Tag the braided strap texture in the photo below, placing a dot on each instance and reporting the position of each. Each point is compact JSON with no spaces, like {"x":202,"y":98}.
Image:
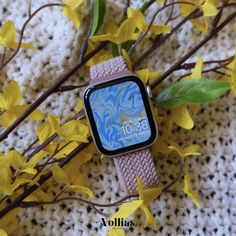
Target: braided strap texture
{"x":139,"y":163}
{"x":112,"y":66}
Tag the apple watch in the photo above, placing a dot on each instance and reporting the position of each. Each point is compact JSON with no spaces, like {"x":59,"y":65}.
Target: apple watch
{"x":117,"y":107}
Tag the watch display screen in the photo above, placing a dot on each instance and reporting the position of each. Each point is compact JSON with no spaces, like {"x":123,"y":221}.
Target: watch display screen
{"x":119,"y":114}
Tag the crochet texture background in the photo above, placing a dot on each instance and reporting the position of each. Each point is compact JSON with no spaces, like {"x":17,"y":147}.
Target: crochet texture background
{"x":213,"y":173}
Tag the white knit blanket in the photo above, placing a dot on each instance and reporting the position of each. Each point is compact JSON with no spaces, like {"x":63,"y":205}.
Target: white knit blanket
{"x":213,"y":174}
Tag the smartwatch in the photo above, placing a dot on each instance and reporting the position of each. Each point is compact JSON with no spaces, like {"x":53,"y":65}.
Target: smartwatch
{"x":120,"y":117}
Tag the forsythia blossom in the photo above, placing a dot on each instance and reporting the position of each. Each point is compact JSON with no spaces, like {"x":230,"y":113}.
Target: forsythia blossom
{"x":208,"y":7}
{"x":11,"y":107}
{"x":70,"y":10}
{"x":8,"y":37}
{"x":127,"y":29}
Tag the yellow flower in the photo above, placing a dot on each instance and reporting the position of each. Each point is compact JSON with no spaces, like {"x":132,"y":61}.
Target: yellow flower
{"x":148,"y":196}
{"x":127,"y":59}
{"x":231,"y":74}
{"x":70,"y":10}
{"x":188,"y":151}
{"x":38,"y":195}
{"x":9,"y":223}
{"x":128,"y":29}
{"x":142,"y":24}
{"x":3,"y":232}
{"x":192,"y":194}
{"x":161,"y":146}
{"x":19,"y":163}
{"x":79,"y":105}
{"x":10,"y":107}
{"x":202,"y":24}
{"x":125,"y":32}
{"x":48,"y":128}
{"x":124,"y":212}
{"x":147,"y":76}
{"x":72,"y":178}
{"x":197,"y":73}
{"x":209,"y":9}
{"x":73,"y":130}
{"x":8,"y":37}
{"x":181,"y":117}
{"x":6,"y":185}
{"x":59,"y":148}
{"x":102,"y":55}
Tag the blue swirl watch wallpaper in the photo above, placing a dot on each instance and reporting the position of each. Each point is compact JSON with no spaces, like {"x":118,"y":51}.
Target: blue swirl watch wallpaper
{"x":120,"y":115}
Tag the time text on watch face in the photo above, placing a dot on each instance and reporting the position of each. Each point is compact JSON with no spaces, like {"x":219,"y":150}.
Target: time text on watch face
{"x":120,"y":115}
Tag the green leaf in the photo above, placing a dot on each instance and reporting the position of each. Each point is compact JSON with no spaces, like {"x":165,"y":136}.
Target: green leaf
{"x":98,"y":15}
{"x":114,"y":49}
{"x":199,"y":91}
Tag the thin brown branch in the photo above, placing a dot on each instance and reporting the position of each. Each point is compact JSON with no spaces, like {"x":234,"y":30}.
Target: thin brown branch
{"x":214,"y":69}
{"x":102,"y":205}
{"x":30,"y":147}
{"x":159,"y":41}
{"x":67,"y":88}
{"x":166,"y":74}
{"x":99,"y":211}
{"x":138,"y":41}
{"x":187,"y":66}
{"x":42,"y":180}
{"x":24,"y":27}
{"x":180,"y":173}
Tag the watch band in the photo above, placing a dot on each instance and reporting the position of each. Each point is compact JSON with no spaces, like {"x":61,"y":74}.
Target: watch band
{"x":137,"y":163}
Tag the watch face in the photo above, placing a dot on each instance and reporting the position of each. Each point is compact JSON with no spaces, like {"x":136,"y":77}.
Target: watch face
{"x":120,"y":115}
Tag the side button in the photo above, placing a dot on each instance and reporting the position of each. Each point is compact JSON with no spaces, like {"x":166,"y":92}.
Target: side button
{"x":149,"y":91}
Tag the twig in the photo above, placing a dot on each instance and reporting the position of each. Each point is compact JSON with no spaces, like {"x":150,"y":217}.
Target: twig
{"x":24,"y":27}
{"x":192,"y":51}
{"x":85,"y":43}
{"x":30,"y":147}
{"x":102,"y":205}
{"x":170,"y":14}
{"x":181,"y":167}
{"x":160,"y":40}
{"x":71,"y":87}
{"x":214,"y":69}
{"x":17,"y":201}
{"x":152,"y":21}
{"x":187,"y":66}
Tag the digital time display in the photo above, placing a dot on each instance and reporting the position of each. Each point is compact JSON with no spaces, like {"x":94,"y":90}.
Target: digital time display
{"x":138,"y":126}
{"x":119,"y":115}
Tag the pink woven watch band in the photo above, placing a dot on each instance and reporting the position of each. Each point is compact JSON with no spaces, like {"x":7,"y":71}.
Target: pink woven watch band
{"x":138,"y":163}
